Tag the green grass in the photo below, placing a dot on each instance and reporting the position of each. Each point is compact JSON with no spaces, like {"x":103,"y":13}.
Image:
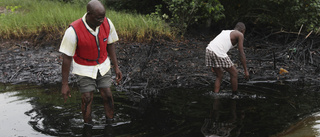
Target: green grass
{"x":29,"y":18}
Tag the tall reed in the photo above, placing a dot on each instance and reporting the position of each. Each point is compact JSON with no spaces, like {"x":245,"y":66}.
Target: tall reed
{"x":31,"y":17}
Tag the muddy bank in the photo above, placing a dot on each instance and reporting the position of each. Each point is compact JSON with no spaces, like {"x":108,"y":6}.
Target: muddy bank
{"x":162,"y":64}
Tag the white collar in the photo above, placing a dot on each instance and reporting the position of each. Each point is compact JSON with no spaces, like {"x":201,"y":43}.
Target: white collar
{"x":88,"y":27}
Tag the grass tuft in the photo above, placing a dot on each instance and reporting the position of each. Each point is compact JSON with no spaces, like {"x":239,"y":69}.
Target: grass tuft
{"x":32,"y":18}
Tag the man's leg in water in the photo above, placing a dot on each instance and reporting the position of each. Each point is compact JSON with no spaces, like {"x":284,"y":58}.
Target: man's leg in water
{"x":107,"y":102}
{"x":86,"y":102}
{"x":233,"y":78}
{"x":219,"y":75}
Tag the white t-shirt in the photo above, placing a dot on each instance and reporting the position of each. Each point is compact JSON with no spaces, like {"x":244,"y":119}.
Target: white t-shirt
{"x":221,"y":44}
{"x":69,"y":44}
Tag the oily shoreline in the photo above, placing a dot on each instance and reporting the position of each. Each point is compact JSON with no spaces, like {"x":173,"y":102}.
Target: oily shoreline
{"x":158,"y":64}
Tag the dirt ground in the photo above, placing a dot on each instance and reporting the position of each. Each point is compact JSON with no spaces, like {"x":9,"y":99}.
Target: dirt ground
{"x":161,"y":64}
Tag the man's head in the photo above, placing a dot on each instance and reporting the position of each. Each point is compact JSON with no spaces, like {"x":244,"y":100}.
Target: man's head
{"x":95,"y":13}
{"x":240,"y":27}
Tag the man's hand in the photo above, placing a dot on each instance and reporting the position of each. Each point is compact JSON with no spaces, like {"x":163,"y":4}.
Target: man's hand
{"x":119,"y":75}
{"x":246,"y":75}
{"x":65,"y":90}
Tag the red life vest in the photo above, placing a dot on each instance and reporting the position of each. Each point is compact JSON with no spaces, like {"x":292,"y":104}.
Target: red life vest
{"x":90,"y":50}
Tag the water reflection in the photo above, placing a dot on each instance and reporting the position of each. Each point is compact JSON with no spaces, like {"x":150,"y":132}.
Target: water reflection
{"x":225,"y":119}
{"x":308,"y":127}
{"x":87,"y":131}
{"x":13,"y":120}
{"x":263,"y":109}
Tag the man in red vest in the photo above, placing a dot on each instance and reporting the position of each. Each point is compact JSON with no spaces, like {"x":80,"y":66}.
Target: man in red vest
{"x":87,"y":45}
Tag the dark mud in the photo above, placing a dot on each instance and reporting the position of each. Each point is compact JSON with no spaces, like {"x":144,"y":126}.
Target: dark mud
{"x":271,"y":101}
{"x":161,"y":64}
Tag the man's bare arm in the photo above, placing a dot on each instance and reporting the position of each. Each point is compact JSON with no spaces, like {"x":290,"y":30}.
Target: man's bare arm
{"x":66,"y":63}
{"x":242,"y":54}
{"x":112,"y":54}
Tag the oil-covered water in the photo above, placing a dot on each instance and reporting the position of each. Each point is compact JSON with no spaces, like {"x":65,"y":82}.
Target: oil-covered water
{"x":261,"y":110}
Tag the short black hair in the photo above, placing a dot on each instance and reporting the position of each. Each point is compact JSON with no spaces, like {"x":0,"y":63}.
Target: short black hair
{"x":240,"y":26}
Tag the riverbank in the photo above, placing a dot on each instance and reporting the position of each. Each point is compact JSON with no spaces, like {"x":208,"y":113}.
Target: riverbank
{"x":161,"y":64}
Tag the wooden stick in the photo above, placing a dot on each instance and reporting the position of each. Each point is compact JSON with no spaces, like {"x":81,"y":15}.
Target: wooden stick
{"x":15,"y":74}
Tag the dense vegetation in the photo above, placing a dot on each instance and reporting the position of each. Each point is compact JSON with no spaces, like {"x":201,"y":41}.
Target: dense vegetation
{"x":145,"y":19}
{"x":275,"y":15}
{"x":48,"y":19}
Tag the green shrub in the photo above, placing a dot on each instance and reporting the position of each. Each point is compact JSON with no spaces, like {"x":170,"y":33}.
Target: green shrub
{"x":133,"y":6}
{"x":183,"y":13}
{"x":287,"y":15}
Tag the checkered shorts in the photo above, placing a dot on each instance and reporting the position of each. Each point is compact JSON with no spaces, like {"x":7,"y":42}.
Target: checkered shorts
{"x":214,"y":61}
